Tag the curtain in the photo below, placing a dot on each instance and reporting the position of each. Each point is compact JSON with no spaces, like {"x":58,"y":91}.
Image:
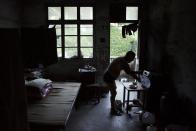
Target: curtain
{"x":39,"y":46}
{"x":13,"y":102}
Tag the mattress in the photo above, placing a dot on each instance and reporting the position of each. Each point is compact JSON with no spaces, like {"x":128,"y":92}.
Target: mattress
{"x":55,"y":109}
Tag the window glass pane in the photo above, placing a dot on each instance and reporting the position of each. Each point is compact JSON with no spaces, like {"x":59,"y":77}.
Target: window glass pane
{"x":58,"y":30}
{"x":70,"y":52}
{"x":87,"y":52}
{"x":70,"y":13}
{"x":70,"y":29}
{"x":86,"y":29}
{"x":59,"y":52}
{"x":58,"y":35}
{"x":86,"y":41}
{"x":54,"y":13}
{"x":58,"y":38}
{"x":131,"y":13}
{"x":86,"y":13}
{"x":70,"y":41}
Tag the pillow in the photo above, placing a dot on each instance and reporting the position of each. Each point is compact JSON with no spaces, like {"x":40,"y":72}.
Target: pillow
{"x":38,"y":88}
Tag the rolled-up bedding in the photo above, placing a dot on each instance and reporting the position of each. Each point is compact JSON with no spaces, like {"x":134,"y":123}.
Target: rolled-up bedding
{"x":38,"y":88}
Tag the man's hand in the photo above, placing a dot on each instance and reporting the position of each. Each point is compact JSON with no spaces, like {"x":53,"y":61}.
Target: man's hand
{"x":135,"y":75}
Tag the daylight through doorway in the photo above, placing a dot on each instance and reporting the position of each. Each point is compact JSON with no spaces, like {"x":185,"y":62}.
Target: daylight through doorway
{"x":119,"y":45}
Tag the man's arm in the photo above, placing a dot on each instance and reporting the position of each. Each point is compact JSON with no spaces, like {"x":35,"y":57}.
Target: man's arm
{"x":130,"y":72}
{"x":134,"y":75}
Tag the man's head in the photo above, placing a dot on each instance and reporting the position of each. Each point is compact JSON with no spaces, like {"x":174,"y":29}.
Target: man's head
{"x":130,"y":55}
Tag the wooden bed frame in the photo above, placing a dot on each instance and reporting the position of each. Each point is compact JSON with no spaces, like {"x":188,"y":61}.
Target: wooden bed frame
{"x":54,"y":111}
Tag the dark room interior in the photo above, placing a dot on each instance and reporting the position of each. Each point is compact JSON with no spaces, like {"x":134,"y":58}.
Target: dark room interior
{"x":31,"y":41}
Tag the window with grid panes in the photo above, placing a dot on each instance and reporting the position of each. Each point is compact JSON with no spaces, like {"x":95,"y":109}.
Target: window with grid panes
{"x":74,"y":30}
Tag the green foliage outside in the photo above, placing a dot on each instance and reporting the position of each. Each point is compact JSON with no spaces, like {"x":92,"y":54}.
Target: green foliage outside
{"x":119,"y":45}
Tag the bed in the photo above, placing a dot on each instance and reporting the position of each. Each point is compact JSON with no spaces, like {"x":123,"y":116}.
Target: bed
{"x":54,"y":110}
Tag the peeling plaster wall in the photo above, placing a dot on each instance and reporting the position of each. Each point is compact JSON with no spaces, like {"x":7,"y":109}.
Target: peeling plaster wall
{"x":170,"y":46}
{"x":181,"y":47}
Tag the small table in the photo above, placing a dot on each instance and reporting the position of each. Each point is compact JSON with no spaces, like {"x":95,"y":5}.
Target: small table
{"x":89,"y":88}
{"x":138,"y":89}
{"x":87,"y":76}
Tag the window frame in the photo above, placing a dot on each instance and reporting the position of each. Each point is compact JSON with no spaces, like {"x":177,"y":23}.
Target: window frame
{"x":62,"y":22}
{"x":139,"y":5}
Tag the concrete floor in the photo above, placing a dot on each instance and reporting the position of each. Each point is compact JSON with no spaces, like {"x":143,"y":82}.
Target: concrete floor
{"x":91,"y":117}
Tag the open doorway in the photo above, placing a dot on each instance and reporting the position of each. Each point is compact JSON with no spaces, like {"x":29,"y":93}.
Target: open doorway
{"x":119,"y":45}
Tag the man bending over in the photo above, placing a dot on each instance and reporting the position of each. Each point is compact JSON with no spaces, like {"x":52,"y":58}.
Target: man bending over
{"x":113,"y":72}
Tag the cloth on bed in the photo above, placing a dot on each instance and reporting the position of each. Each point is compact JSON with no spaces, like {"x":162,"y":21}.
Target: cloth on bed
{"x":38,"y":88}
{"x":55,"y":109}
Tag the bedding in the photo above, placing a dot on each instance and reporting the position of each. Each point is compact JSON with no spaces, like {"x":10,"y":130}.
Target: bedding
{"x":38,"y":88}
{"x":54,"y":110}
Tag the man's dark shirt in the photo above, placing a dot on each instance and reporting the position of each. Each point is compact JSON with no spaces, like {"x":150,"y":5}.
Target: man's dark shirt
{"x":114,"y":69}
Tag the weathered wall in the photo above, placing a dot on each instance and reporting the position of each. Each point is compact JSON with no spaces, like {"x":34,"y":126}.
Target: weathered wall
{"x":10,"y":13}
{"x":170,"y":45}
{"x":34,"y":13}
{"x":102,"y":37}
{"x":181,"y":47}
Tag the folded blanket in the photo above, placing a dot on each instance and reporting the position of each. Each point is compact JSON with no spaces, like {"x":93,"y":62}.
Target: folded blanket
{"x":38,"y":88}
